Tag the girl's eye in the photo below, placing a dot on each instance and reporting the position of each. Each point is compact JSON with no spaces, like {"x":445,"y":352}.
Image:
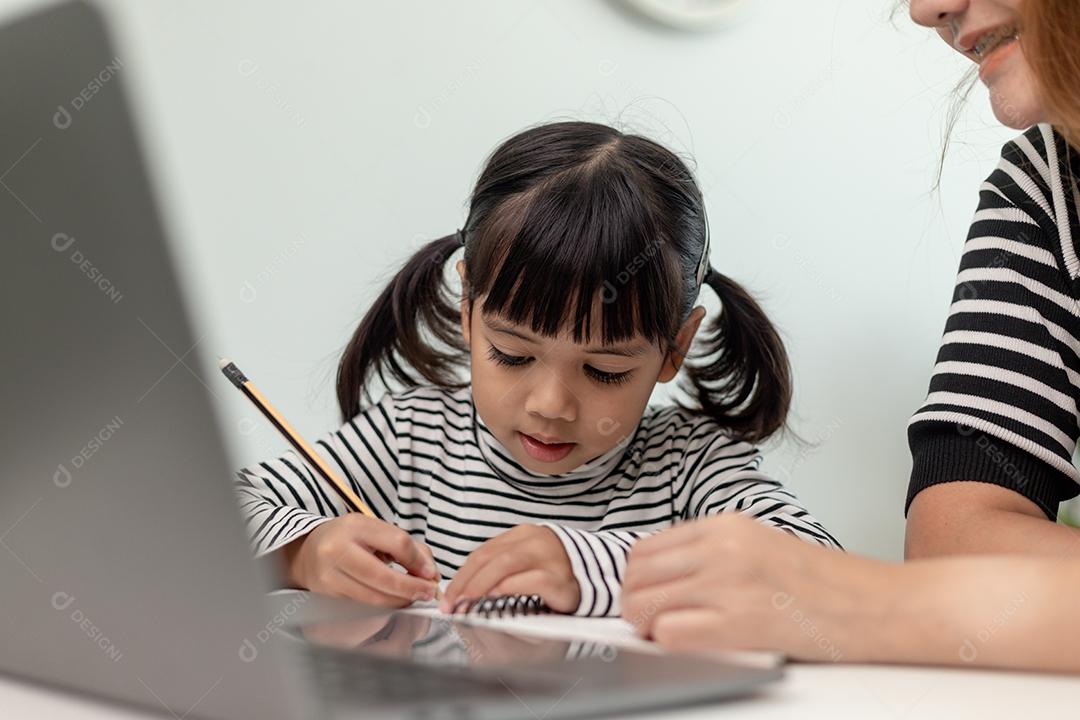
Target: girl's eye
{"x":608,"y":378}
{"x":504,"y":359}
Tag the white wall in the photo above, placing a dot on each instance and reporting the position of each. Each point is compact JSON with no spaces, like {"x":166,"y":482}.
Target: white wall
{"x":303,"y":150}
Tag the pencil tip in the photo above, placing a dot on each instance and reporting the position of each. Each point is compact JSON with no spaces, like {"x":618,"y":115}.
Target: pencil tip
{"x":224,"y":362}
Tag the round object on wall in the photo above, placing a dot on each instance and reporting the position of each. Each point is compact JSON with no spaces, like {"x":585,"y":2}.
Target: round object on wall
{"x":686,"y":14}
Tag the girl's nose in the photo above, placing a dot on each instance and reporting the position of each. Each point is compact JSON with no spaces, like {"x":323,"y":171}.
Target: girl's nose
{"x":551,"y":397}
{"x":937,"y":13}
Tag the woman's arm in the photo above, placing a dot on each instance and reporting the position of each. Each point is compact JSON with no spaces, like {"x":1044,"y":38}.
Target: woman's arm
{"x":975,"y":517}
{"x":729,"y":582}
{"x":1002,"y":405}
{"x":1008,"y":611}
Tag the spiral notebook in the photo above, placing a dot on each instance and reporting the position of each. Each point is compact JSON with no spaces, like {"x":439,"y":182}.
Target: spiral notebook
{"x":526,"y":614}
{"x":303,"y":606}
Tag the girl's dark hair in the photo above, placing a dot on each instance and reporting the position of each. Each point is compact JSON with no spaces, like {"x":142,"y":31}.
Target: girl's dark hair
{"x":561,"y":215}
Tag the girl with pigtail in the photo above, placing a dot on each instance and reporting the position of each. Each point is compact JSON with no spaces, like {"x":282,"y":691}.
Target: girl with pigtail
{"x":513,"y":450}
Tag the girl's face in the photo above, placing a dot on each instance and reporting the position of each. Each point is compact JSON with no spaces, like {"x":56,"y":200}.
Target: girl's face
{"x":986,"y":32}
{"x":555,"y":403}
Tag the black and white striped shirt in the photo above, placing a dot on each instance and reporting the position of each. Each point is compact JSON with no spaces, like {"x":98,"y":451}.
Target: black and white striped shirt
{"x":1003,"y":399}
{"x":423,"y":460}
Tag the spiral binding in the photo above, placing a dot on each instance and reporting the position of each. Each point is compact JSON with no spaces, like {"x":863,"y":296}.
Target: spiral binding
{"x":502,"y":606}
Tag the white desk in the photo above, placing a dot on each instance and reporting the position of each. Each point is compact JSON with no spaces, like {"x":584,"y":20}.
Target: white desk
{"x":836,"y":692}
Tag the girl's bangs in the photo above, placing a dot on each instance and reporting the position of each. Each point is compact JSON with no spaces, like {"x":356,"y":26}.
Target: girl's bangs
{"x":580,"y":239}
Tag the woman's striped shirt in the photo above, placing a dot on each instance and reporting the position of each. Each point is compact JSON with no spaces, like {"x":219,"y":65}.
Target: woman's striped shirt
{"x":423,"y":460}
{"x":1003,"y":401}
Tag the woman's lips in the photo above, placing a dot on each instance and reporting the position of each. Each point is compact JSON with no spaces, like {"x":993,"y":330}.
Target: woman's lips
{"x":544,"y":452}
{"x":993,"y":60}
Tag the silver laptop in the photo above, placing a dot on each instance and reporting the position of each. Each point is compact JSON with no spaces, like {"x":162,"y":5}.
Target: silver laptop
{"x":124,"y":569}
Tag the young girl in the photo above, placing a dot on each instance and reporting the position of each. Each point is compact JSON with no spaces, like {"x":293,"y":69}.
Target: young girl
{"x":584,"y":252}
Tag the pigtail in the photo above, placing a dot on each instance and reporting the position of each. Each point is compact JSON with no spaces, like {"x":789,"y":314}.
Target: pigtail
{"x":392,"y":337}
{"x":747,"y":387}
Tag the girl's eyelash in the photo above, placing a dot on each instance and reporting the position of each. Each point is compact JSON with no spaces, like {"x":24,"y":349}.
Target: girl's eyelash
{"x":606,"y":377}
{"x":600,"y":376}
{"x":504,"y":359}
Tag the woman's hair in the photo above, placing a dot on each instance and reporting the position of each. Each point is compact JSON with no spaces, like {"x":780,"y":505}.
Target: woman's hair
{"x":561,"y":215}
{"x":1051,"y":38}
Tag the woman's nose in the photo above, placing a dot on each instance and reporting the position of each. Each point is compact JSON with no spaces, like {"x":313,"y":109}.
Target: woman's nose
{"x":937,"y":13}
{"x":551,"y":396}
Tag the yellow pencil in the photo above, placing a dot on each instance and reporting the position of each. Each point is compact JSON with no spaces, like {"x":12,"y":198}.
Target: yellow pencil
{"x":313,"y":459}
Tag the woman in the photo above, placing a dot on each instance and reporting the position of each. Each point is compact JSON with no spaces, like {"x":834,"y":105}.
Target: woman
{"x":992,"y":445}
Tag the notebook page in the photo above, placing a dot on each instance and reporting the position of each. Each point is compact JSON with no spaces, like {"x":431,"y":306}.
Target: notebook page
{"x":611,"y":631}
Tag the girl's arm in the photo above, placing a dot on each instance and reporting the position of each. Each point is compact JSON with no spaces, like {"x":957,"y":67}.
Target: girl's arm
{"x":282,"y":499}
{"x":295,"y":517}
{"x":717,"y":474}
{"x":726,"y":582}
{"x":723,"y":476}
{"x":597,"y":561}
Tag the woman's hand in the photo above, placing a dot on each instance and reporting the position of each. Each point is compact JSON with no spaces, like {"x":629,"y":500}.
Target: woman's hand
{"x":526,"y":560}
{"x":730,"y":582}
{"x":348,"y":556}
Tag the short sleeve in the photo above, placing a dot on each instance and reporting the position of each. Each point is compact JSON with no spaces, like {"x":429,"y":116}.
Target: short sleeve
{"x":1002,"y":402}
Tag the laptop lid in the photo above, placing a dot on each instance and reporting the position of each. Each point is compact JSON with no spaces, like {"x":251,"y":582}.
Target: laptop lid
{"x":125,"y":571}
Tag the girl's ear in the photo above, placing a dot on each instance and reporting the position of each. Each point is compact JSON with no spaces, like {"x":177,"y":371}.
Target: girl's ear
{"x":460,"y":265}
{"x":674,"y":359}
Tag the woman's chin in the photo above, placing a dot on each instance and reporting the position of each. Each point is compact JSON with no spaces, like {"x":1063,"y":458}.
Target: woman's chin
{"x":1016,"y":116}
{"x":1015,"y":103}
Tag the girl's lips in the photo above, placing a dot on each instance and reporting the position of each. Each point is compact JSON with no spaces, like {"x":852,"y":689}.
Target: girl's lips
{"x":543,"y":451}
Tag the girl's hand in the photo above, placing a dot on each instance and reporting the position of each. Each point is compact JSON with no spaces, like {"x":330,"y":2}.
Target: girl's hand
{"x":526,"y":560}
{"x":730,"y":582}
{"x":348,"y":556}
